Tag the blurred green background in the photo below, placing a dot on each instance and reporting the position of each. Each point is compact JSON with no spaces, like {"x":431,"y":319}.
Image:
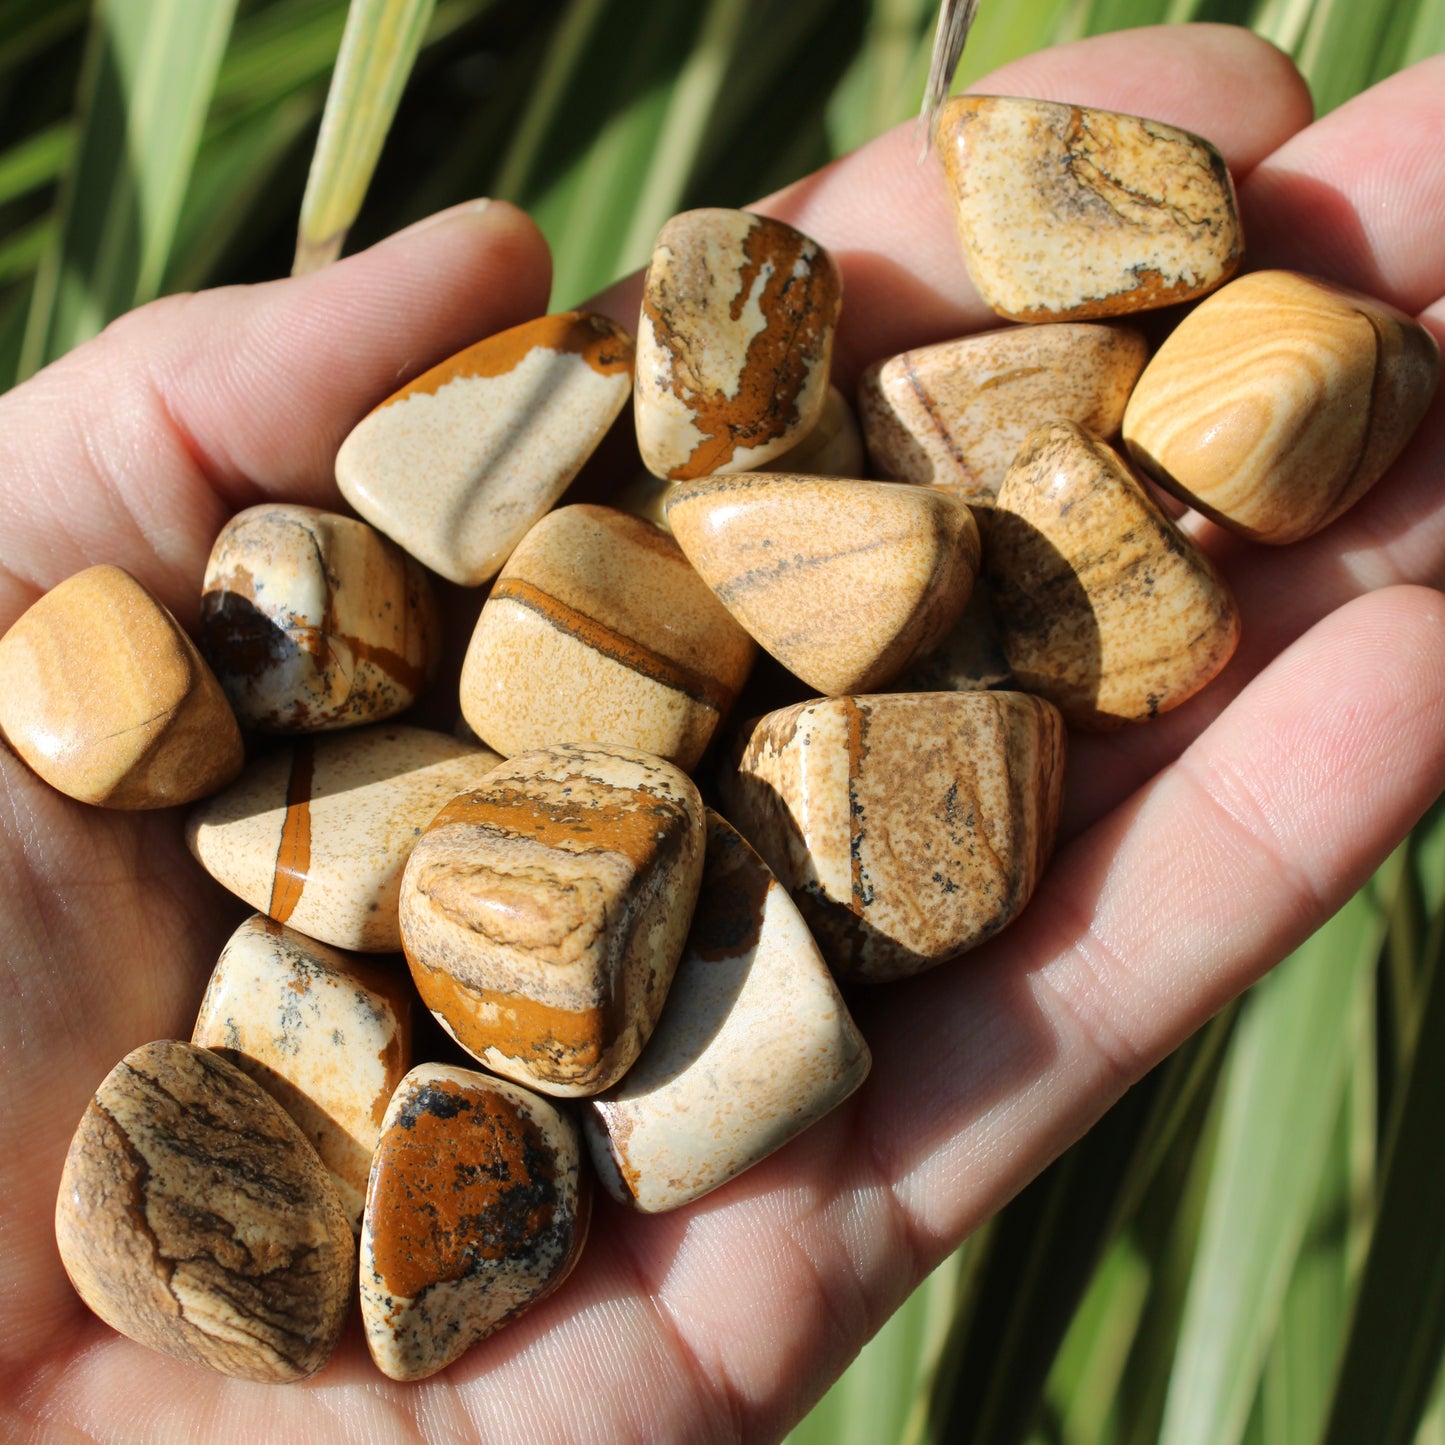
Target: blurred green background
{"x":1251,"y":1246}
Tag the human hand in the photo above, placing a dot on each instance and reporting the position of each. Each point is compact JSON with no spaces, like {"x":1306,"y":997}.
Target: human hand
{"x":1197,"y":851}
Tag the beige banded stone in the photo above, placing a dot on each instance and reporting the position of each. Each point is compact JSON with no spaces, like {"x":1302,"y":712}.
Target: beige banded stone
{"x":458,"y":464}
{"x":1067,"y":213}
{"x":478,"y":1208}
{"x":104,"y":695}
{"x":325,"y":1034}
{"x":315,"y":833}
{"x":907,"y":827}
{"x":754,"y":1045}
{"x":842,"y":581}
{"x":195,"y":1219}
{"x":598,"y":629}
{"x":544,"y":913}
{"x":734,"y":342}
{"x":1104,"y":606}
{"x":315,"y":621}
{"x":954,"y":415}
{"x":1276,"y":404}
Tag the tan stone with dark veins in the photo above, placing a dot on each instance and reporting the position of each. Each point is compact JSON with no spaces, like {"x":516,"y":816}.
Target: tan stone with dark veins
{"x":543,"y":914}
{"x":1104,"y":606}
{"x":104,"y":695}
{"x":954,"y":415}
{"x":908,"y":827}
{"x":842,"y":581}
{"x":194,"y":1218}
{"x":1067,"y":213}
{"x":1279,"y":402}
{"x":478,"y":1208}
{"x":315,"y":621}
{"x":734,"y":343}
{"x":833,"y":448}
{"x":598,"y":629}
{"x":327,"y":1035}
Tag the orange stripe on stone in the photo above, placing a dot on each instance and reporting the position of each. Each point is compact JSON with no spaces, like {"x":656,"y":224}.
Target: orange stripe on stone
{"x":293,"y":856}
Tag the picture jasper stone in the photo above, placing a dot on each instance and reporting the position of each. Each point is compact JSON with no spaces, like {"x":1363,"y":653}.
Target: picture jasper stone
{"x":970,"y":656}
{"x":194,"y":1218}
{"x":478,"y":1208}
{"x":954,"y":415}
{"x":754,"y":1045}
{"x":543,"y":914}
{"x":833,"y":448}
{"x":458,"y":464}
{"x":315,"y":621}
{"x":734,"y":342}
{"x":325,"y":1034}
{"x":104,"y":695}
{"x":1278,"y":403}
{"x":1067,"y":213}
{"x":1104,"y":606}
{"x":316,"y":833}
{"x":908,"y":827}
{"x":598,"y":628}
{"x":842,"y":581}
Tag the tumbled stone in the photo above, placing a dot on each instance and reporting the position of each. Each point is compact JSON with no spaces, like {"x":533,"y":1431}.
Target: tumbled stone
{"x":1104,"y":606}
{"x":597,"y":628}
{"x":316,"y":832}
{"x":194,"y":1218}
{"x":104,"y":695}
{"x":458,"y":464}
{"x":908,"y":827}
{"x":969,"y":658}
{"x":645,"y":496}
{"x":478,"y":1208}
{"x":1067,"y":213}
{"x":842,"y":581}
{"x":754,"y":1045}
{"x":1278,"y":403}
{"x":543,"y":914}
{"x":314,"y":621}
{"x":734,"y":343}
{"x":954,"y":415}
{"x":833,"y":448}
{"x":327,"y":1035}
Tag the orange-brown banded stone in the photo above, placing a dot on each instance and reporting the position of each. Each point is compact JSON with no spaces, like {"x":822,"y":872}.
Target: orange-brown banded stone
{"x":477,"y":1209}
{"x":734,"y":343}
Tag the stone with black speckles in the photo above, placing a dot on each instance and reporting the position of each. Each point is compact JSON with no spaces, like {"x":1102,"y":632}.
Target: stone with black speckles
{"x":1067,"y":213}
{"x":326,"y":1034}
{"x":195,"y":1218}
{"x":477,"y":1209}
{"x":1104,"y":606}
{"x":843,"y":581}
{"x":314,"y":621}
{"x":908,"y":827}
{"x":458,"y":464}
{"x":734,"y":343}
{"x":754,"y":1045}
{"x":543,"y":914}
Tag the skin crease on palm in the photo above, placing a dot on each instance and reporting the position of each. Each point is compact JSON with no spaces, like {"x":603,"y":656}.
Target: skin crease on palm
{"x":1197,"y":852}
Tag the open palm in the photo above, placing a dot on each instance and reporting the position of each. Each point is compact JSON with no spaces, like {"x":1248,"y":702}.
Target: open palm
{"x":1198,"y":851}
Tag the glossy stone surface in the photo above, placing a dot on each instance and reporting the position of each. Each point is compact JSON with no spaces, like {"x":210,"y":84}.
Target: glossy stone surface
{"x":734,"y":343}
{"x":478,"y":1208}
{"x":1278,"y":403}
{"x":458,"y":464}
{"x":316,"y":833}
{"x":598,"y":628}
{"x":1104,"y":606}
{"x":315,"y":621}
{"x":543,"y":914}
{"x":194,"y":1218}
{"x":754,"y":1045}
{"x":1067,"y":213}
{"x":842,"y":581}
{"x":104,"y":695}
{"x":907,"y":827}
{"x":327,"y":1035}
{"x":954,"y":415}
{"x":833,"y":448}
